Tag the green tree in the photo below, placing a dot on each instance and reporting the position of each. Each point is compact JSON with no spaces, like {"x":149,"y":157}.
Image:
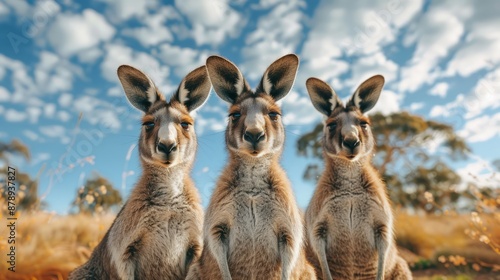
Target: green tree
{"x":26,"y":188}
{"x":96,"y":196}
{"x":411,"y":155}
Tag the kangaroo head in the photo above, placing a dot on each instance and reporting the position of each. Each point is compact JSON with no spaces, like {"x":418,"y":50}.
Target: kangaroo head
{"x":255,"y":127}
{"x":167,"y":136}
{"x":346,"y":132}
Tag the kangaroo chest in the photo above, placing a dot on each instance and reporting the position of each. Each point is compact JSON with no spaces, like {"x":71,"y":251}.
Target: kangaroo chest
{"x":170,"y":226}
{"x":353,"y":220}
{"x":253,"y":228}
{"x":254,"y":211}
{"x":163,"y":235}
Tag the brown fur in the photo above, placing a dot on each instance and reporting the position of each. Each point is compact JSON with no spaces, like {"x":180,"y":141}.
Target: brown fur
{"x":349,"y":219}
{"x":158,"y":230}
{"x":253,"y":228}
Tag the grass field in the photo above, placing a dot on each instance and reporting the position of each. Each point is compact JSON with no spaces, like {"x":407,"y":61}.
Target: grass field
{"x":49,"y":246}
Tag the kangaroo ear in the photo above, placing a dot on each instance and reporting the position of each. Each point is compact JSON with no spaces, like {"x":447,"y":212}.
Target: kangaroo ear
{"x":226,"y":78}
{"x":140,"y":90}
{"x":194,"y":89}
{"x":279,"y":77}
{"x":367,"y":94}
{"x":323,"y":97}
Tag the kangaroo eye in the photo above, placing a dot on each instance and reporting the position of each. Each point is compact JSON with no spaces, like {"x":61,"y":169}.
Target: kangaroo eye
{"x":149,"y":125}
{"x":235,"y":116}
{"x":363,"y":124}
{"x":273,"y":116}
{"x":185,"y":125}
{"x":332,"y":126}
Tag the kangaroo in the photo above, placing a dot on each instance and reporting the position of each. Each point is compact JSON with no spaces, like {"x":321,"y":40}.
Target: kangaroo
{"x":253,"y":228}
{"x":349,"y":220}
{"x":158,"y":232}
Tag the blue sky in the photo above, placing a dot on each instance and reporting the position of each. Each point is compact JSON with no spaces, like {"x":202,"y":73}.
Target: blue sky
{"x":58,"y":61}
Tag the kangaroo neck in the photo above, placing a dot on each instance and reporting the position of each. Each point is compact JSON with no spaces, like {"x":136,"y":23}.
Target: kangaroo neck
{"x":164,"y":182}
{"x":247,"y":168}
{"x":344,"y":170}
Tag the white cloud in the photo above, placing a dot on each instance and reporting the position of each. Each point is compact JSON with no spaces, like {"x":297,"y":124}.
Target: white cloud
{"x":266,"y":4}
{"x":12,"y":115}
{"x":298,"y":110}
{"x":39,"y":158}
{"x":4,"y":94}
{"x":388,"y":102}
{"x":53,"y":131}
{"x":4,"y":11}
{"x":480,"y":46}
{"x":86,"y":104}
{"x":416,"y":106}
{"x":92,"y":29}
{"x":366,"y":28}
{"x":439,"y":110}
{"x":31,"y":135}
{"x":481,"y":129}
{"x":485,"y":95}
{"x":90,"y":55}
{"x":155,"y":30}
{"x":327,"y":70}
{"x":63,"y":116}
{"x":123,"y":10}
{"x":98,"y":111}
{"x":182,"y":60}
{"x":204,"y":124}
{"x":65,"y":99}
{"x":20,"y":8}
{"x":435,"y":33}
{"x":106,"y":118}
{"x":368,"y":66}
{"x":440,"y":89}
{"x":363,"y":27}
{"x":479,"y":172}
{"x":212,"y":21}
{"x":52,"y":74}
{"x":277,"y":33}
{"x":40,"y":11}
{"x":447,"y":109}
{"x":49,"y":110}
{"x":33,"y":114}
{"x":218,"y":109}
{"x":115,"y":91}
{"x":117,"y":55}
{"x":24,"y":87}
{"x":475,"y":55}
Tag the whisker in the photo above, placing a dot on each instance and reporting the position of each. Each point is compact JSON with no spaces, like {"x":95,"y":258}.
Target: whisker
{"x":211,"y":134}
{"x":291,"y":132}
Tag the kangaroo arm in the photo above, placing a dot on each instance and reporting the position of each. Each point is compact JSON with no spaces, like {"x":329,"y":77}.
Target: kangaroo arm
{"x":319,"y":246}
{"x":218,"y":243}
{"x":382,"y":238}
{"x":289,"y":249}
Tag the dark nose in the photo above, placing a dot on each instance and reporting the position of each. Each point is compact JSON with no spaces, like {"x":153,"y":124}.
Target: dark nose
{"x":351,"y":143}
{"x":167,"y":149}
{"x":254,"y":137}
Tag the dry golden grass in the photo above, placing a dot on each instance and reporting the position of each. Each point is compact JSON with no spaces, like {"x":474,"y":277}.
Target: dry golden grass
{"x":445,"y":240}
{"x":424,"y":235}
{"x":49,"y":246}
